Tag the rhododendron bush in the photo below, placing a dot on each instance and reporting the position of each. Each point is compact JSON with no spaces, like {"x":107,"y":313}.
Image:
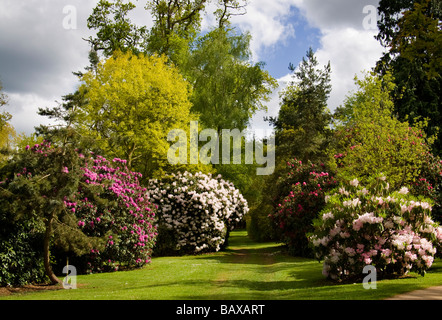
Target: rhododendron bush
{"x":112,"y":204}
{"x":196,"y":212}
{"x":429,"y":184}
{"x":390,"y":230}
{"x":82,"y":207}
{"x":302,"y":192}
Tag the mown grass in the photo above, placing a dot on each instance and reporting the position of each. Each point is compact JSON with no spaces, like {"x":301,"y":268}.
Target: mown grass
{"x":245,"y":271}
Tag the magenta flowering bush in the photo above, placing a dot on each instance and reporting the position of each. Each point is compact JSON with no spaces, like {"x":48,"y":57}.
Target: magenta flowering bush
{"x":390,"y":230}
{"x":56,"y":204}
{"x":429,"y":184}
{"x":112,"y":205}
{"x":197,"y":212}
{"x":302,"y":197}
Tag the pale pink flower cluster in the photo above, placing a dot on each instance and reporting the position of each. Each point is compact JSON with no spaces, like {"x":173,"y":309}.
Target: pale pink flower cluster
{"x":415,"y":248}
{"x":368,"y":217}
{"x":381,"y":228}
{"x":352,"y":203}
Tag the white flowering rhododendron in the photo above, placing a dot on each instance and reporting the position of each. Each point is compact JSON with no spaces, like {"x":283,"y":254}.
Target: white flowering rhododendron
{"x":390,"y":230}
{"x":196,"y":211}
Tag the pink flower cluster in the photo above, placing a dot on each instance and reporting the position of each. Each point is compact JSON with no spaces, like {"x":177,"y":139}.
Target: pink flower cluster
{"x":123,"y":211}
{"x":368,"y":217}
{"x":389,"y":230}
{"x":298,"y":206}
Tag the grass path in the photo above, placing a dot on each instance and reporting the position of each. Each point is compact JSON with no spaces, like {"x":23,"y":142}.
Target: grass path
{"x":245,"y":271}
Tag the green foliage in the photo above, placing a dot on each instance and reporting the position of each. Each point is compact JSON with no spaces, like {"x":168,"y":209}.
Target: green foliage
{"x":132,"y":104}
{"x":73,"y":206}
{"x":302,"y":125}
{"x":4,"y":116}
{"x":21,"y":255}
{"x":410,"y":30}
{"x":429,"y":184}
{"x":228,"y":89}
{"x":34,"y":186}
{"x":300,"y":197}
{"x":420,"y":38}
{"x":7,"y":132}
{"x":369,"y":140}
{"x":302,"y":129}
{"x":115,"y":32}
{"x":176,"y":24}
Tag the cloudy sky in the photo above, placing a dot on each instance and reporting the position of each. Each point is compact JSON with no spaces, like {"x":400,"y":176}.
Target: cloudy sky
{"x":41,"y":44}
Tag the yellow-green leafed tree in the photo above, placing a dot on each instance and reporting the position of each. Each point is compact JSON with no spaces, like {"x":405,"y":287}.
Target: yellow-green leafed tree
{"x":370,"y":140}
{"x":132,"y":103}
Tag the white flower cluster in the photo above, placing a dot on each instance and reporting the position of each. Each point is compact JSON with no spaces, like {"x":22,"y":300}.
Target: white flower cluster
{"x":200,"y":210}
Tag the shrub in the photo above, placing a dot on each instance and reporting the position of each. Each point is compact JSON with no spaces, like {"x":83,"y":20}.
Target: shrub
{"x":32,"y":188}
{"x":370,"y":139}
{"x":21,"y":256}
{"x":429,"y":184}
{"x":196,"y":212}
{"x":112,"y":205}
{"x":302,"y":191}
{"x":62,"y":204}
{"x":390,"y":230}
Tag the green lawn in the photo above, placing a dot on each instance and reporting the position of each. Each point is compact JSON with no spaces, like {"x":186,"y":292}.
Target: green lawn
{"x":245,"y":271}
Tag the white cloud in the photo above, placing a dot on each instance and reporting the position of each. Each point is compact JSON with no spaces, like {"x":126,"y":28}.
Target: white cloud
{"x":38,"y":53}
{"x":24,"y":108}
{"x":344,"y":42}
{"x":350,"y":53}
{"x":268,"y":22}
{"x":336,"y":14}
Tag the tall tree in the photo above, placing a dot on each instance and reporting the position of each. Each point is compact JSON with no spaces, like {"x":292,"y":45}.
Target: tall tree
{"x":370,"y":140}
{"x":302,"y":125}
{"x":176,"y":24}
{"x":228,"y":89}
{"x":114,"y":29}
{"x":411,"y":31}
{"x":301,"y":128}
{"x":132,"y":103}
{"x":34,"y":187}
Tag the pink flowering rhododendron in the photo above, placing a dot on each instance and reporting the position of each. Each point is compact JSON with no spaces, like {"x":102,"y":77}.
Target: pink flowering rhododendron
{"x":302,"y":196}
{"x":112,"y":202}
{"x":390,"y":230}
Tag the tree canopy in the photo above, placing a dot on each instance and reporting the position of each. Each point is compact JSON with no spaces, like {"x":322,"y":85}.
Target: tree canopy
{"x":303,"y":121}
{"x":411,"y":32}
{"x":133,"y":101}
{"x":228,"y":89}
{"x":370,"y":140}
